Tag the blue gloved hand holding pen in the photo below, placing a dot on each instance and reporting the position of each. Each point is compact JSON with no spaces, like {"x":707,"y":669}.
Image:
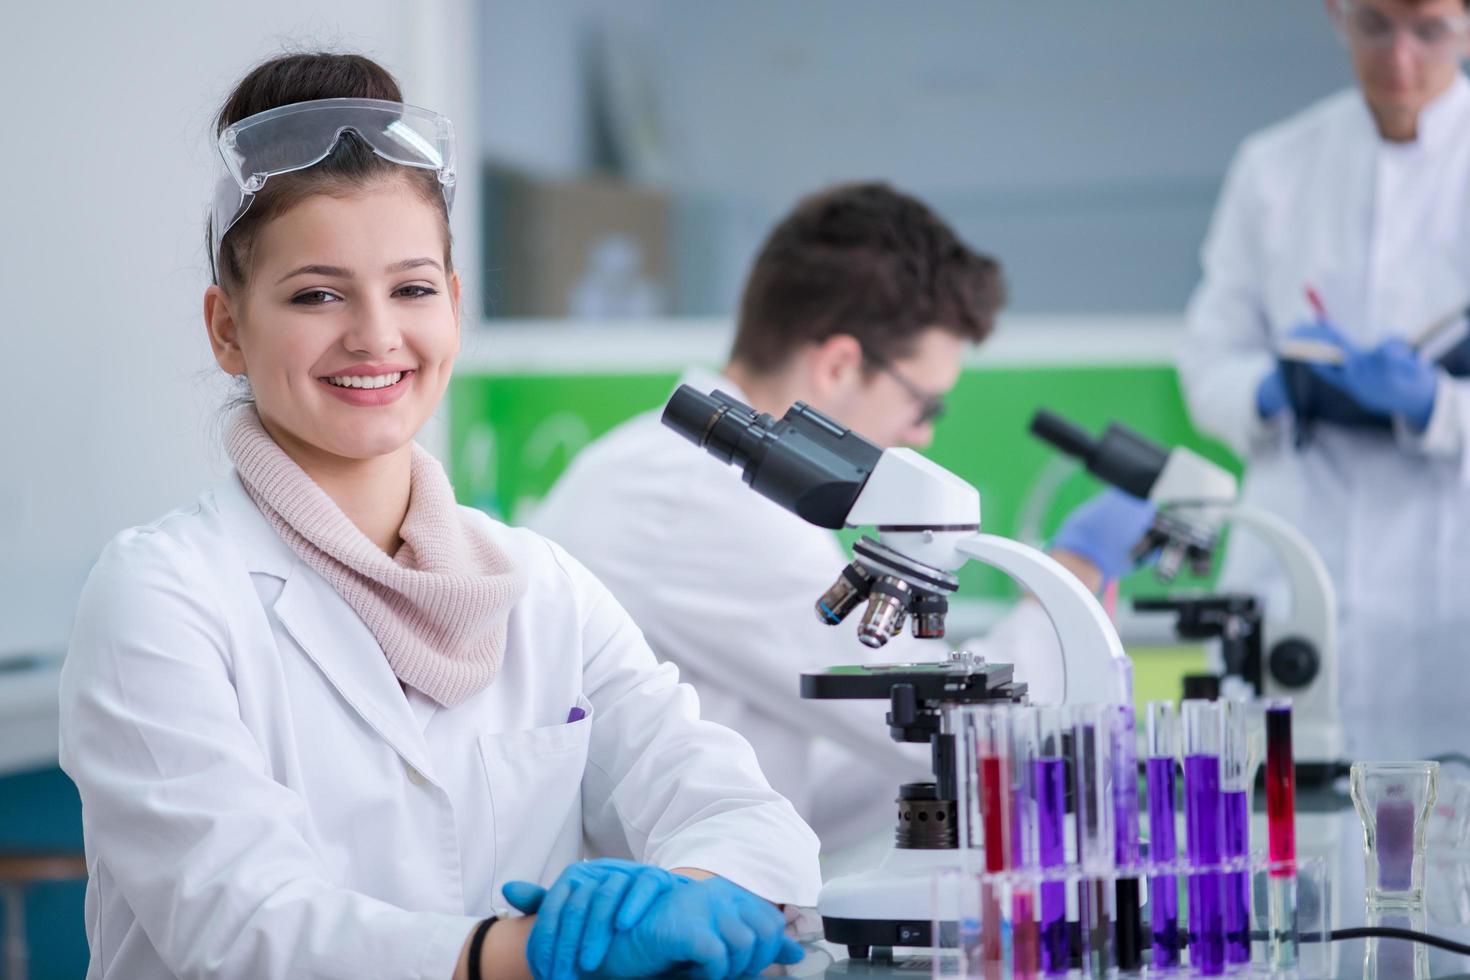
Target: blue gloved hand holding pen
{"x":1388,"y":379}
{"x":604,"y":926}
{"x":1391,"y":378}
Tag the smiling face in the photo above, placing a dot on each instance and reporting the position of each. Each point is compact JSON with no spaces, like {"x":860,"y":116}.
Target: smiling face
{"x":349,"y":324}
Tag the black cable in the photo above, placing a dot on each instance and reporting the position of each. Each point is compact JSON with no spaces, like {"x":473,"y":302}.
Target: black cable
{"x":1393,"y":932}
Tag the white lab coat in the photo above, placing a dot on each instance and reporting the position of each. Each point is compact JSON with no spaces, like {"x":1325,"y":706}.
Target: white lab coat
{"x":260,"y":799}
{"x":724,"y":583}
{"x":1383,"y":232}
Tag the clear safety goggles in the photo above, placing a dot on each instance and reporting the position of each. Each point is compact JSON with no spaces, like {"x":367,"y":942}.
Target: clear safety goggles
{"x":300,"y":135}
{"x":1439,"y":38}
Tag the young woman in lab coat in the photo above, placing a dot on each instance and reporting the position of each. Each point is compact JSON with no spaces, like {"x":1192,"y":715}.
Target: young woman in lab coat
{"x":322,"y":716}
{"x":1364,"y":198}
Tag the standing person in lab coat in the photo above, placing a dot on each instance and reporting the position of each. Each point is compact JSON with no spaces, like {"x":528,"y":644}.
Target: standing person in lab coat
{"x":861,"y":303}
{"x":322,"y":716}
{"x":1349,"y":225}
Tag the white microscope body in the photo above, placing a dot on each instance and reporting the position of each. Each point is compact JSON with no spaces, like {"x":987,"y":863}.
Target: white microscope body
{"x":928,"y":526}
{"x":1196,"y":500}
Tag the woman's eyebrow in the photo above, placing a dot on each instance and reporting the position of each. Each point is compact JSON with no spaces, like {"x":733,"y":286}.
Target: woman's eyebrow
{"x":338,"y":272}
{"x":407,"y":264}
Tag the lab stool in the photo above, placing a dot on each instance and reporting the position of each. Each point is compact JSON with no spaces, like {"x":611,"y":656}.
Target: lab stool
{"x":19,"y":870}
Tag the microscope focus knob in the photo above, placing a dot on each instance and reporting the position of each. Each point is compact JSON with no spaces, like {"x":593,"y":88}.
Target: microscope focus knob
{"x":1294,"y":663}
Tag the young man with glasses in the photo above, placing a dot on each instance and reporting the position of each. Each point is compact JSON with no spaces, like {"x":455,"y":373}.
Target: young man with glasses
{"x":861,"y":303}
{"x":1348,"y":227}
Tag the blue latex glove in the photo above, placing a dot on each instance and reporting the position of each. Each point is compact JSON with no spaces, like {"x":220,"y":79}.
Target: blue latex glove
{"x":578,"y":917}
{"x":1105,"y":529}
{"x":713,"y":928}
{"x":1271,"y":394}
{"x":1391,"y":378}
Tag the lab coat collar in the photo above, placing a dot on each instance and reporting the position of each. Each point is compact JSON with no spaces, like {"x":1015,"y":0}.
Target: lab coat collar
{"x":264,"y":551}
{"x":325,"y":627}
{"x":1441,"y":120}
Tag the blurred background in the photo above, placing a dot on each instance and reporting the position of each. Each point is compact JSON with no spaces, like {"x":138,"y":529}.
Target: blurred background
{"x":620,"y":163}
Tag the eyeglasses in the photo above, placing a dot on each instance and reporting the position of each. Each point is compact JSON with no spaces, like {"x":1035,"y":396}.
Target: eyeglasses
{"x":1441,"y":38}
{"x":931,"y":406}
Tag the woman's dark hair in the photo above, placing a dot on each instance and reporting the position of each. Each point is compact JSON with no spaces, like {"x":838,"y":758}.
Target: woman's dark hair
{"x":294,"y":78}
{"x":867,"y":261}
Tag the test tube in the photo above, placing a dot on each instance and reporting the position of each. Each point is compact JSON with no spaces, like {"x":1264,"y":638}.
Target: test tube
{"x":993,"y":728}
{"x":1025,"y":938}
{"x":985,"y":791}
{"x":1128,"y":934}
{"x":1235,"y":781}
{"x":1281,"y":836}
{"x":1163,"y":888}
{"x":1092,"y":742}
{"x":1051,"y":838}
{"x":1204,"y":827}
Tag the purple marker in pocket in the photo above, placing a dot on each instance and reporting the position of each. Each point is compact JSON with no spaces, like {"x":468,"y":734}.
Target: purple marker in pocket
{"x":576,"y":714}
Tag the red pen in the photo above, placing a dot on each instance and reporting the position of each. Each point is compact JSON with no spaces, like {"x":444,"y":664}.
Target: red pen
{"x":1314,"y":299}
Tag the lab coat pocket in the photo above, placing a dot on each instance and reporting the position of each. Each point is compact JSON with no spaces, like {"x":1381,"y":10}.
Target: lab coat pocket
{"x":535,"y":780}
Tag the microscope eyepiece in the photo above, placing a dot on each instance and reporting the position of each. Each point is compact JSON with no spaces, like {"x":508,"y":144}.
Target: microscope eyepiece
{"x":696,"y":416}
{"x":803,"y":461}
{"x":1119,"y":456}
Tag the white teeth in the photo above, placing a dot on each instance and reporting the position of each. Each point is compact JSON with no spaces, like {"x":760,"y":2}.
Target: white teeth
{"x":365,"y":381}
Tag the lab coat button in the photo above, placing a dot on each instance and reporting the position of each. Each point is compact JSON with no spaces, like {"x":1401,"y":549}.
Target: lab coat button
{"x":414,"y":776}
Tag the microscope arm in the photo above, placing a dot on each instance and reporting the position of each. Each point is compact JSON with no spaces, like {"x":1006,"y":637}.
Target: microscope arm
{"x":1095,"y":668}
{"x":1313,"y":613}
{"x":1312,"y":618}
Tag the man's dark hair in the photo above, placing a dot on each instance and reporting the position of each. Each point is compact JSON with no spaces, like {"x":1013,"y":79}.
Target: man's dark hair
{"x":868,"y":261}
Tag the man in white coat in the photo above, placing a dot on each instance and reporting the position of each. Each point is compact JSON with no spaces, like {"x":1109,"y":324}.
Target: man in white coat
{"x":861,"y":303}
{"x":1350,"y":224}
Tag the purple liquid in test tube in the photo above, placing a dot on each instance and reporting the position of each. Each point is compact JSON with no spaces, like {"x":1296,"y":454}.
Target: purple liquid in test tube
{"x":1237,"y":884}
{"x":1204,"y":829}
{"x":1163,"y":889}
{"x":1235,"y":781}
{"x":1051,"y":839}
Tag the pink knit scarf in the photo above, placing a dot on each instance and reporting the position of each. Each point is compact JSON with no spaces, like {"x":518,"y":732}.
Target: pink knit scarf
{"x":438,"y":607}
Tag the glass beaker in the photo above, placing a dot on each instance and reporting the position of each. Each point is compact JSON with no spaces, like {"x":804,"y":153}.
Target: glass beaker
{"x":1393,"y":800}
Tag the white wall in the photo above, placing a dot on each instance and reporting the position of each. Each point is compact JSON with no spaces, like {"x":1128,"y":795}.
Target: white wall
{"x":109,"y":405}
{"x":1081,"y":141}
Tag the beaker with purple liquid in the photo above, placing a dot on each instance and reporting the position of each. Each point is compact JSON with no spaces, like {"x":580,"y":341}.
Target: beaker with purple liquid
{"x":1393,"y":800}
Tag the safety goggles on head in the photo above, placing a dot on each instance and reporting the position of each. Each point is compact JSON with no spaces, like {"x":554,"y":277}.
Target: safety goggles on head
{"x":1441,"y":38}
{"x":931,"y":406}
{"x":300,"y":135}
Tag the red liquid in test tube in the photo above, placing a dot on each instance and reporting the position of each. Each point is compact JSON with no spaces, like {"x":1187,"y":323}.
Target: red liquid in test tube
{"x":1280,"y":791}
{"x":994,"y":811}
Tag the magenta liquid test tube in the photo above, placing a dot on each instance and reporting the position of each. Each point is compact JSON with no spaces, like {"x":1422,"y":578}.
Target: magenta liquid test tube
{"x":1092,"y":744}
{"x":1051,"y":838}
{"x":1128,"y":934}
{"x":1163,"y":889}
{"x":1235,"y":780}
{"x":1281,"y":835}
{"x":1204,"y":827}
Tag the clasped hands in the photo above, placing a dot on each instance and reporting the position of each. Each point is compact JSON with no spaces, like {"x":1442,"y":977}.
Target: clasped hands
{"x":614,"y":918}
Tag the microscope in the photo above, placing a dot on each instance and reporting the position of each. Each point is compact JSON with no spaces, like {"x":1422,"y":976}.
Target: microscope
{"x":1276,"y":653}
{"x":927,"y":523}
